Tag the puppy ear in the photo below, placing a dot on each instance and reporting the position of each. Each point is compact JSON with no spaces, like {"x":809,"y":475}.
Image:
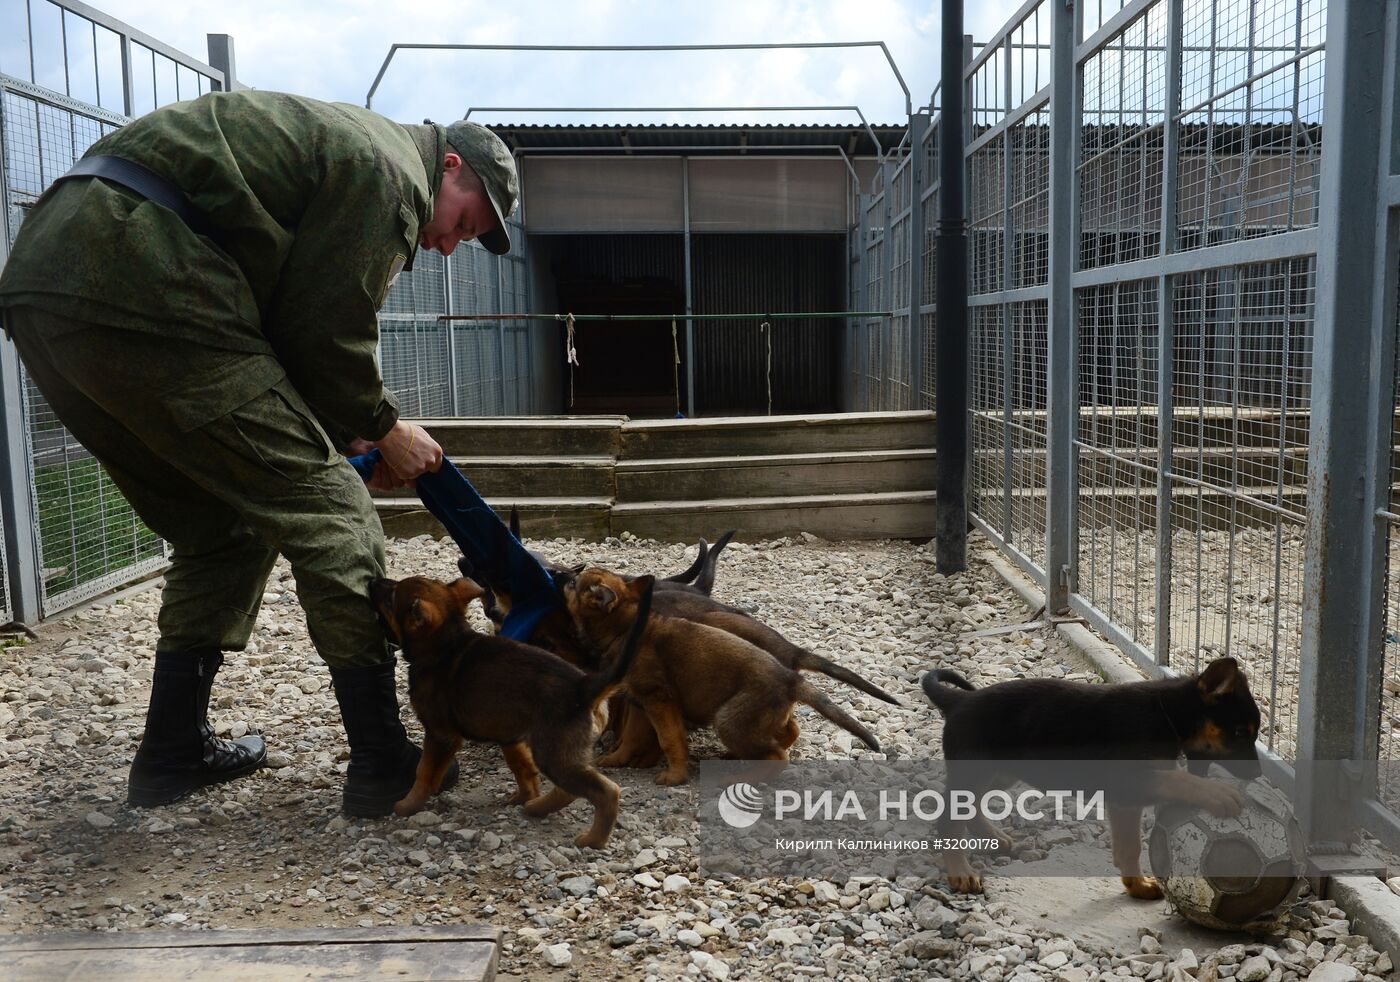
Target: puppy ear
{"x":465,"y":566}
{"x":466,"y":590}
{"x":415,"y":611}
{"x":601,"y":597}
{"x":640,"y":586}
{"x":1219,"y":679}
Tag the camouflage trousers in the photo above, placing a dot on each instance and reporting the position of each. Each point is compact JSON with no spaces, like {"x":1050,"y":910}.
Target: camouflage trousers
{"x":220,"y":456}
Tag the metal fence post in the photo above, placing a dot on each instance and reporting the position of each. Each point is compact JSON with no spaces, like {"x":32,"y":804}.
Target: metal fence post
{"x":16,"y":514}
{"x":950,"y":390}
{"x":1061,"y":385}
{"x":15,"y":511}
{"x":1166,"y":339}
{"x":221,"y":57}
{"x":1341,"y":657}
{"x":1008,"y":333}
{"x":918,"y":180}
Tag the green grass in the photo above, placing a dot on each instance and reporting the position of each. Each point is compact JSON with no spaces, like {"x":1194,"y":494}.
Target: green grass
{"x":86,"y":528}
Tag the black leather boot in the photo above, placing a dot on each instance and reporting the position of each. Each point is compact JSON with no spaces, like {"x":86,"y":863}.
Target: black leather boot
{"x":179,"y":752}
{"x":383,"y":761}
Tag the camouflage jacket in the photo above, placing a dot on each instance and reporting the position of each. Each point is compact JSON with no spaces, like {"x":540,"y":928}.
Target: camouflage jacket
{"x":317,"y":207}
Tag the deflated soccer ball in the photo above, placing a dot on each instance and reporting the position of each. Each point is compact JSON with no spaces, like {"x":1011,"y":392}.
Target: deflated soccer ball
{"x":1236,"y":874}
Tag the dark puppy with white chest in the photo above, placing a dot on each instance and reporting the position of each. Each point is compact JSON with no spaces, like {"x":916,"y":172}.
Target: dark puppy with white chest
{"x":1145,"y":725}
{"x":543,"y":711}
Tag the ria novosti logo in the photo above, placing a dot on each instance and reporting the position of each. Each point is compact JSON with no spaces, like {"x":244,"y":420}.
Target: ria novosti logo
{"x":740,"y":805}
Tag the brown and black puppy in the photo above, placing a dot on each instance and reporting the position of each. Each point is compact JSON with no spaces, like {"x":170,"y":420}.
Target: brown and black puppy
{"x":637,"y":744}
{"x":689,"y":674}
{"x":1206,"y":717}
{"x":464,"y":685}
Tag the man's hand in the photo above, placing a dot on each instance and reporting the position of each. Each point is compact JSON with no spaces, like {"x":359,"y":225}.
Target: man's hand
{"x":408,"y":453}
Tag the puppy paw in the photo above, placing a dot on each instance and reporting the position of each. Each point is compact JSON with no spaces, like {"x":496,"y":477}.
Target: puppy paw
{"x":969,"y":883}
{"x":587,"y":840}
{"x":1143,"y":887}
{"x":672,"y":776}
{"x":1223,"y":800}
{"x":408,"y":806}
{"x":613,"y":759}
{"x":539,"y":807}
{"x":521,"y":797}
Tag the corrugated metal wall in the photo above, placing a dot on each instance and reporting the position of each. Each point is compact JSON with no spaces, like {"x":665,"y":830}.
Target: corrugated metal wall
{"x":773,"y":273}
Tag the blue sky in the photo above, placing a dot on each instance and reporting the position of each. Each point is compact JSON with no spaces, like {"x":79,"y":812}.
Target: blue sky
{"x":333,"y":50}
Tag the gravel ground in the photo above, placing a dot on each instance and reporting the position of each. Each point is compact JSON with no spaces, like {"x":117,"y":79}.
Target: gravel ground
{"x":272,"y":850}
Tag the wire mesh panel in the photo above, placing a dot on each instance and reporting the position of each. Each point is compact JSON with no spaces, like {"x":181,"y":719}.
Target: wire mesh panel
{"x":895,"y":368}
{"x":1116,"y":454}
{"x":1241,"y":382}
{"x":1026,"y":427}
{"x":928,"y":253}
{"x":1029,"y":211}
{"x":511,"y":270}
{"x":988,"y":491}
{"x":986,"y":241}
{"x":476,"y":345}
{"x":1251,"y":121}
{"x":413,"y":342}
{"x":870,"y":332}
{"x":88,"y":538}
{"x":1120,"y":172}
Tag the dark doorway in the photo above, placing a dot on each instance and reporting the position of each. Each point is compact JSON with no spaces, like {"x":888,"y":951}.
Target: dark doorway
{"x":628,"y":367}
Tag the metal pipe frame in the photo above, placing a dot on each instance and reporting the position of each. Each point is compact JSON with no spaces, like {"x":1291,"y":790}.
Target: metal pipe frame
{"x":793,"y":45}
{"x":1341,"y":658}
{"x":1166,"y":338}
{"x":16,"y":514}
{"x":1062,"y":335}
{"x":127,"y":32}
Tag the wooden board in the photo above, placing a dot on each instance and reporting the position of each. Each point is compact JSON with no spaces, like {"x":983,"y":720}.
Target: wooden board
{"x":463,"y":953}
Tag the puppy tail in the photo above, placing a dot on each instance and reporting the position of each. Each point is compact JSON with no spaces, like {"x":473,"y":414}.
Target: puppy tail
{"x":817,"y":699}
{"x":940,"y":694}
{"x":688,"y":574}
{"x":810,"y":661}
{"x":705,"y":582}
{"x":600,"y":683}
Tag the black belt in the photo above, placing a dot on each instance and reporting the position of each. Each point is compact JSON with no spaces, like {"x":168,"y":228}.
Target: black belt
{"x":149,"y":185}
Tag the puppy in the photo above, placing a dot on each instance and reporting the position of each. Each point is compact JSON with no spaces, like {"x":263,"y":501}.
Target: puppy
{"x":689,"y":674}
{"x":699,"y":577}
{"x":543,"y":711}
{"x":1207,"y":717}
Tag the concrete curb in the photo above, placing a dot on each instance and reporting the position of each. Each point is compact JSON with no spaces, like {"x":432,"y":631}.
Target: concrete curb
{"x":1374,"y":909}
{"x":1096,"y":654}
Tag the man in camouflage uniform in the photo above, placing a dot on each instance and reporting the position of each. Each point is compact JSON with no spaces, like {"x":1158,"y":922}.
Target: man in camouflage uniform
{"x":218,"y":375}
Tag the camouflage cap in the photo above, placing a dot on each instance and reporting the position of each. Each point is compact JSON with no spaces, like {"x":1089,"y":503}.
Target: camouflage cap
{"x":487,"y":154}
